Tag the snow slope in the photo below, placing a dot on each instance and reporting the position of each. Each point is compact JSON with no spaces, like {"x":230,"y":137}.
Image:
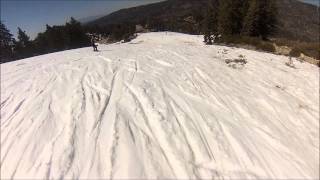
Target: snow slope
{"x":162,"y":106}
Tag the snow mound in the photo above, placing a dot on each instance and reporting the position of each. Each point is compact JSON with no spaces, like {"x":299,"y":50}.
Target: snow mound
{"x":161,"y":106}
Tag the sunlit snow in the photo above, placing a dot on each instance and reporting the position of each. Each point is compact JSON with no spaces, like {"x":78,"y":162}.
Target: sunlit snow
{"x":162,"y":106}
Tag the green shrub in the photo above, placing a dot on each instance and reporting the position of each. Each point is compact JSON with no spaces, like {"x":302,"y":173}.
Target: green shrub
{"x":295,"y":52}
{"x":266,"y":46}
{"x":311,"y":49}
{"x":257,"y":43}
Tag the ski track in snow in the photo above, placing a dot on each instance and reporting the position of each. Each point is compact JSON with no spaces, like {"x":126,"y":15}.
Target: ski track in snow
{"x":164,"y":107}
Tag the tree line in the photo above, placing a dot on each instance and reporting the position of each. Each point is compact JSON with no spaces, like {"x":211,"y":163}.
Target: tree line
{"x":114,"y":32}
{"x":227,"y":18}
{"x":57,"y":38}
{"x":54,"y":38}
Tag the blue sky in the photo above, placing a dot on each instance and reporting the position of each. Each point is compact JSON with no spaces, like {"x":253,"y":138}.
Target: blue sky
{"x":32,"y":15}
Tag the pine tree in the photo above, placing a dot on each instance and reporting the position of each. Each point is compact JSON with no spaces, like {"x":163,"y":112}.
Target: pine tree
{"x":240,"y":8}
{"x":250,"y":24}
{"x":62,"y":37}
{"x":41,"y":44}
{"x":210,"y":23}
{"x":260,"y":20}
{"x":76,"y":34}
{"x":267,"y":24}
{"x":23,"y":47}
{"x":225,"y":17}
{"x":231,"y":15}
{"x":6,"y":44}
{"x":23,"y":38}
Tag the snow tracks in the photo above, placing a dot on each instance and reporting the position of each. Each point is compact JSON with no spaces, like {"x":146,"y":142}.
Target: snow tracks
{"x":167,"y":107}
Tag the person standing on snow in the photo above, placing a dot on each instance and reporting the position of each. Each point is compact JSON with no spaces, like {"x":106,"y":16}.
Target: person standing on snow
{"x":94,"y":44}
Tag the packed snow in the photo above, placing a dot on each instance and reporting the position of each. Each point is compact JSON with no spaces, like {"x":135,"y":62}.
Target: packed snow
{"x":162,"y":106}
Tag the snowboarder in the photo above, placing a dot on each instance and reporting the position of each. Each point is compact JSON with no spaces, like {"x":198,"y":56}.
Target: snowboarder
{"x":290,"y":63}
{"x":94,"y":44}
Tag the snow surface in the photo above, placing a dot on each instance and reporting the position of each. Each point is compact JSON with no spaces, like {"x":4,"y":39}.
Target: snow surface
{"x":162,"y":106}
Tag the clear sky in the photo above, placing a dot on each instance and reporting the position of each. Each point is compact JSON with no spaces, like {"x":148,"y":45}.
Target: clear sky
{"x":33,"y":15}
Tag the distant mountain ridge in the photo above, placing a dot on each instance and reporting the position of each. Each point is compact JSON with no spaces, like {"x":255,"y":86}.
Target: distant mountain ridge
{"x":297,"y":20}
{"x":89,"y":19}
